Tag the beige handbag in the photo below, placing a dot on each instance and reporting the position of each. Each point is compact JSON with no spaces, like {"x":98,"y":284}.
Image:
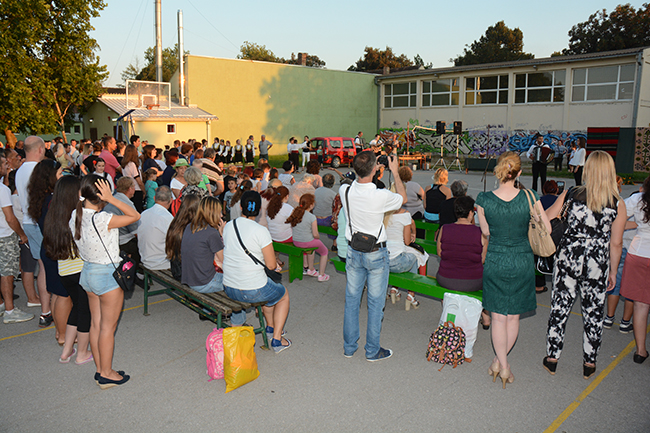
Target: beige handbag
{"x":540,"y":240}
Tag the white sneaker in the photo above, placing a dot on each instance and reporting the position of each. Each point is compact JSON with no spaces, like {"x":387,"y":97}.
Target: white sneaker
{"x":17,"y":316}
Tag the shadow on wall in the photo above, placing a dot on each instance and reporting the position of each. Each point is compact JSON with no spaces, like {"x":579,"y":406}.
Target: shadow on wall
{"x":306,"y":101}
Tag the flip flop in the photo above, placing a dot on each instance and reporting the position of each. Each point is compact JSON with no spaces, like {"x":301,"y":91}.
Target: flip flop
{"x":545,"y":289}
{"x":85,"y":361}
{"x":66,"y":360}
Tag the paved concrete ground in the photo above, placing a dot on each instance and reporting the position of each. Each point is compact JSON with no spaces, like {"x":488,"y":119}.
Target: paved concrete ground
{"x":312,"y":387}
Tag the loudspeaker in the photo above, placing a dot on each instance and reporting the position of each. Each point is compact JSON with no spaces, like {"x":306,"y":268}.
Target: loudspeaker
{"x":458,"y":127}
{"x":440,"y":127}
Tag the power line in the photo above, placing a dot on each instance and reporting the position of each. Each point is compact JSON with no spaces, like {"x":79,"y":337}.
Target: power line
{"x":212,"y":25}
{"x":185,"y":29}
{"x":127,"y":39}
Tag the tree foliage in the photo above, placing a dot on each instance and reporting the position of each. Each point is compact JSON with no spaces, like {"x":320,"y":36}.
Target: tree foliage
{"x":148,"y":72}
{"x":254,"y":51}
{"x":374,"y":58}
{"x":499,"y":44}
{"x":624,"y":27}
{"x":48,"y":66}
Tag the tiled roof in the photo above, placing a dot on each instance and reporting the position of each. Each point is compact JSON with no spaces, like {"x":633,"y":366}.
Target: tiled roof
{"x":528,"y":62}
{"x":117,"y":103}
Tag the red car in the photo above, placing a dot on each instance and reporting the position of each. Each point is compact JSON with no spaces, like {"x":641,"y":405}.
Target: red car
{"x":334,"y":150}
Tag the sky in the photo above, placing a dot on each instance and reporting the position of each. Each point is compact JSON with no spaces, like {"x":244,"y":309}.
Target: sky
{"x":337,"y":31}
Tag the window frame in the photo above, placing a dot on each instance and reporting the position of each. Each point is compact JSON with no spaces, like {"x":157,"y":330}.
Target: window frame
{"x":552,"y":87}
{"x":586,"y":85}
{"x":499,"y":90}
{"x":412,"y":95}
{"x":451,"y":92}
{"x":173,"y":125}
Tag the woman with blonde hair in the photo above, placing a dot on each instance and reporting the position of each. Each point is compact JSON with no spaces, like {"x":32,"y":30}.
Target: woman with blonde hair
{"x":509,"y":270}
{"x":590,"y":247}
{"x":435,"y":195}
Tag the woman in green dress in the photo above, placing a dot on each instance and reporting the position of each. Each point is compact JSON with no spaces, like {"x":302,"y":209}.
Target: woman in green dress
{"x":509,"y":271}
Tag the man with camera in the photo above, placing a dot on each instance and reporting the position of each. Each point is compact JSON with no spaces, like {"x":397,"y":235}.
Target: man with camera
{"x":367,"y":259}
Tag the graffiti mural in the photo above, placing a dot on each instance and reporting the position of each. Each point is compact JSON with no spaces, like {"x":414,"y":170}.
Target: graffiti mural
{"x":642,"y":150}
{"x":487,"y":140}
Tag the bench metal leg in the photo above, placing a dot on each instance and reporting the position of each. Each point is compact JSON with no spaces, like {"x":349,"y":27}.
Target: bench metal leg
{"x":262,"y":328}
{"x":147,"y":283}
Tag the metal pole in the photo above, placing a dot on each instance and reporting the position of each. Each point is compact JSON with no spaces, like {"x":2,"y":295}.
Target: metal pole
{"x":159,"y":71}
{"x":181,"y":60}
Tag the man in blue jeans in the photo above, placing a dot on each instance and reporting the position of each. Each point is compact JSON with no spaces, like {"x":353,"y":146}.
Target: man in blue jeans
{"x":365,"y":214}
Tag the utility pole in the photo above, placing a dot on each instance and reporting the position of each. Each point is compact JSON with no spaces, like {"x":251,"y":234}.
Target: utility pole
{"x":181,"y":60}
{"x":159,"y":72}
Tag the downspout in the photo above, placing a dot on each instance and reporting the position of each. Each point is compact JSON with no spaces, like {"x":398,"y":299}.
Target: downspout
{"x":637,"y":88}
{"x":378,"y":104}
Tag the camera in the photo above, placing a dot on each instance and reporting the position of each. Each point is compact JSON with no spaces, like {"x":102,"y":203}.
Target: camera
{"x":383,"y":160}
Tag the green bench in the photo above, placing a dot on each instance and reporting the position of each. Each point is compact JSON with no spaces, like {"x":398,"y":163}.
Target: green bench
{"x":430,"y":229}
{"x":421,"y":284}
{"x":327,"y":230}
{"x":295,"y":257}
{"x":430,"y":247}
{"x":212,"y":306}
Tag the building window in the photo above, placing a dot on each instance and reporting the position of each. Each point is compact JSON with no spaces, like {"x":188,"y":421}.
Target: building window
{"x":171,"y":128}
{"x":486,"y":90}
{"x":77,"y":129}
{"x":540,"y":87}
{"x":614,"y":83}
{"x":440,"y":92}
{"x":400,"y":95}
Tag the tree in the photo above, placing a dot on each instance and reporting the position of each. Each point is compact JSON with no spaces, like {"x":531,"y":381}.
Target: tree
{"x":499,"y":44}
{"x":374,"y":59}
{"x":417,"y":60}
{"x":254,"y":51}
{"x":48,"y":64}
{"x":625,"y":27}
{"x":148,"y":72}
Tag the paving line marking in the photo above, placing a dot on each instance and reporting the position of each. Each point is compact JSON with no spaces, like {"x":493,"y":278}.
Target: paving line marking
{"x":583,"y":395}
{"x":52,"y":327}
{"x":549,"y":307}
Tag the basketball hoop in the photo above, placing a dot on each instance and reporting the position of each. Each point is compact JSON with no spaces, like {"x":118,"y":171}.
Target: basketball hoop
{"x":151,"y":106}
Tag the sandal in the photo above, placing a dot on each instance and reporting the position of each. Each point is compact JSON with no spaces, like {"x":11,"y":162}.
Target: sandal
{"x":66,"y":360}
{"x":312,"y":273}
{"x":323,"y":277}
{"x":394,"y":294}
{"x":410,"y":300}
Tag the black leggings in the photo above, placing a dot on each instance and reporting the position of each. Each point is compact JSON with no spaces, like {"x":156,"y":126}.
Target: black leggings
{"x":80,"y":313}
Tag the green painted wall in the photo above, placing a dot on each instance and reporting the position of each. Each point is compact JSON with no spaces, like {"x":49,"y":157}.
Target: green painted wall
{"x":280,"y":100}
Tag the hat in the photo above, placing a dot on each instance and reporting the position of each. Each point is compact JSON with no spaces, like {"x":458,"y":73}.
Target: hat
{"x":181,"y":162}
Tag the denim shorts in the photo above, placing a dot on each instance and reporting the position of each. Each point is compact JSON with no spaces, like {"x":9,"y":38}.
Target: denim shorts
{"x":215,"y":285}
{"x":35,"y":238}
{"x":619,"y":274}
{"x":97,"y":278}
{"x":271,"y":293}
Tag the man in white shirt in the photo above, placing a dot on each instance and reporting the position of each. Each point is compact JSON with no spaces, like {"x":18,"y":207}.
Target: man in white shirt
{"x":34,"y":153}
{"x":10,"y":233}
{"x":367,"y":206}
{"x":152,"y":232}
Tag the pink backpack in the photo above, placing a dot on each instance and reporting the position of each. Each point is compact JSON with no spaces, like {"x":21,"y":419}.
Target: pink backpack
{"x":214,"y":356}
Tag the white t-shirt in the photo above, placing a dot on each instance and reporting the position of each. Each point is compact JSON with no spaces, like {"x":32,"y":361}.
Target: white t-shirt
{"x":15,"y":201}
{"x":133,"y":171}
{"x":368,"y":205}
{"x":5,"y":201}
{"x":22,"y":179}
{"x":89,"y":245}
{"x":285,"y":178}
{"x":176,"y":184}
{"x":279,"y":229}
{"x":640,"y":245}
{"x":395,"y":233}
{"x":239,"y":270}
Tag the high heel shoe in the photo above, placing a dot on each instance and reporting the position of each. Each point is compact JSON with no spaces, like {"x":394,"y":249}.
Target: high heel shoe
{"x":410,"y":300}
{"x":506,"y":376}
{"x":493,"y":370}
{"x":394,"y":294}
{"x":588,"y":370}
{"x":549,"y":365}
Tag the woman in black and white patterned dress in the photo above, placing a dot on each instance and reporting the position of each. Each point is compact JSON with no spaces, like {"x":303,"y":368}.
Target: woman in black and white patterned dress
{"x":590,"y":247}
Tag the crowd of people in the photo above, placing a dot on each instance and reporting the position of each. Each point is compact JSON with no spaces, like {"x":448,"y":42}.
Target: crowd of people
{"x":213,"y":226}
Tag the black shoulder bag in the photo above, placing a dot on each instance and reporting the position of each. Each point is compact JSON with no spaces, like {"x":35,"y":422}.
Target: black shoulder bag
{"x":274,"y":275}
{"x":124,"y":274}
{"x":361,"y":242}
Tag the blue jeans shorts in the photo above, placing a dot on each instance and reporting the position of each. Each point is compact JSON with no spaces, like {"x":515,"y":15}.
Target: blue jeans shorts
{"x":98,"y":279}
{"x":35,"y":238}
{"x":271,"y":293}
{"x":619,"y":275}
{"x":215,"y":285}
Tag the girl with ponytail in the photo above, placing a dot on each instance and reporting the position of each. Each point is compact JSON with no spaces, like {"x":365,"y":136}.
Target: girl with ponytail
{"x":305,"y":235}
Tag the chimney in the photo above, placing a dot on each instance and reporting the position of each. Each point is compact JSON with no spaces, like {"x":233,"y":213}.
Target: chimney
{"x":386,"y":70}
{"x":302,"y":59}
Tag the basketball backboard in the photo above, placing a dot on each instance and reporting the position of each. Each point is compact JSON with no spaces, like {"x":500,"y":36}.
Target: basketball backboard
{"x":148,"y":94}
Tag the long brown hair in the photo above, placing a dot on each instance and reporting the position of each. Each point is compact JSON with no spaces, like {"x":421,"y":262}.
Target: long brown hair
{"x":246,"y":185}
{"x":207,"y":214}
{"x":296,"y":216}
{"x":89,"y":192}
{"x":130,"y":155}
{"x":41,"y":184}
{"x":184,"y":216}
{"x":275,"y":204}
{"x":57,"y":237}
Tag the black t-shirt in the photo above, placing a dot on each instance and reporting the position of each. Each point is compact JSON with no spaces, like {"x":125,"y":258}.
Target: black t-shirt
{"x":447,"y":214}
